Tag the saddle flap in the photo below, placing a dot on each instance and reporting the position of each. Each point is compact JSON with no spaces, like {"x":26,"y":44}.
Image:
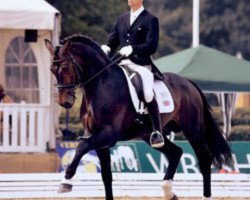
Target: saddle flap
{"x":163,"y":96}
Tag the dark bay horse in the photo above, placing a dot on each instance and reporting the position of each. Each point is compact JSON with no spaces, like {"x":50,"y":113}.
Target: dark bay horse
{"x":109,"y":114}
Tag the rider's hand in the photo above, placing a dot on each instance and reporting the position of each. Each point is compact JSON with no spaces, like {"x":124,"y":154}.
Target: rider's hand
{"x":106,"y":49}
{"x":126,"y":51}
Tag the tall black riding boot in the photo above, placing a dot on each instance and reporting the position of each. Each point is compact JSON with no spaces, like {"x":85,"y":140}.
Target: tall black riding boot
{"x":156,"y":138}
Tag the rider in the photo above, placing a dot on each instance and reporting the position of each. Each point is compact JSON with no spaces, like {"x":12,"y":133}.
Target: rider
{"x":137,"y":32}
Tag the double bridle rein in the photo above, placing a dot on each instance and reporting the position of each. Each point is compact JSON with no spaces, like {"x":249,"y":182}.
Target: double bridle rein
{"x":78,"y":71}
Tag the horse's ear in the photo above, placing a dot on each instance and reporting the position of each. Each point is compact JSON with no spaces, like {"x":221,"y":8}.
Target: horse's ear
{"x":65,"y":47}
{"x":49,"y":46}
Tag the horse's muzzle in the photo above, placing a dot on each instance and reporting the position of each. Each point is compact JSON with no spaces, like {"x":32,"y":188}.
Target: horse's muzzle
{"x":67,"y":101}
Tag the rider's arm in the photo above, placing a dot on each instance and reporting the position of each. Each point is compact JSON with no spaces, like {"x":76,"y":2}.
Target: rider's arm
{"x":113,"y":39}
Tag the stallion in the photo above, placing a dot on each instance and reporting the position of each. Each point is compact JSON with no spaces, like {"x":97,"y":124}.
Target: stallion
{"x":109,"y":115}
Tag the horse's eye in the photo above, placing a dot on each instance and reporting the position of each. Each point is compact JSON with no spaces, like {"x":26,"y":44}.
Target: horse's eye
{"x":65,"y":67}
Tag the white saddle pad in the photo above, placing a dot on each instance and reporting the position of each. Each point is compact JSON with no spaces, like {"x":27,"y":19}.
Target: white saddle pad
{"x":163,"y":97}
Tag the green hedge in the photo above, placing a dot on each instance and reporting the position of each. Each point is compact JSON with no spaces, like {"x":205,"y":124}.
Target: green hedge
{"x":241,"y":117}
{"x":240,"y":133}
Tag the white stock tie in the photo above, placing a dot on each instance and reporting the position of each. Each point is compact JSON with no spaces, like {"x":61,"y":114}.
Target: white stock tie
{"x":133,"y":18}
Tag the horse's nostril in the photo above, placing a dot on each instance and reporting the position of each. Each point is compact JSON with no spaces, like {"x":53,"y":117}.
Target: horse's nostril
{"x":67,"y":105}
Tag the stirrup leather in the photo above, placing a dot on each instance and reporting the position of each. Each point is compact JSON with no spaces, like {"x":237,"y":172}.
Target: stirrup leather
{"x":157,"y":145}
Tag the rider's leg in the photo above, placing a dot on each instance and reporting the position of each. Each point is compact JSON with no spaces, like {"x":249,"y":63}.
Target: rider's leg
{"x":156,"y":138}
{"x":147,"y":76}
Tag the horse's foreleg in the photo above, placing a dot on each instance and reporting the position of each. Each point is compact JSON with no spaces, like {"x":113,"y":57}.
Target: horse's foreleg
{"x":66,"y":185}
{"x":105,"y":161}
{"x":105,"y":138}
{"x":81,"y":149}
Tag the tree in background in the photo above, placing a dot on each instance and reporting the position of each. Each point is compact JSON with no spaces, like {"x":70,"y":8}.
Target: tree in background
{"x":223,"y":23}
{"x":93,"y":18}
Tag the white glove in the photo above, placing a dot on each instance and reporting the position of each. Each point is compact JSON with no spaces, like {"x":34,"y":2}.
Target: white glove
{"x":126,"y":51}
{"x":106,"y":49}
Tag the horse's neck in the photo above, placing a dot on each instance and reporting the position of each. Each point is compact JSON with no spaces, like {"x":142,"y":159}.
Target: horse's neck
{"x":101,"y":77}
{"x":102,"y":84}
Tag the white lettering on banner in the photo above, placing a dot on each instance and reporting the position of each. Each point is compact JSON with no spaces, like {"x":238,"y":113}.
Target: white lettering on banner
{"x":163,"y":163}
{"x":124,"y":155}
{"x":190,"y":165}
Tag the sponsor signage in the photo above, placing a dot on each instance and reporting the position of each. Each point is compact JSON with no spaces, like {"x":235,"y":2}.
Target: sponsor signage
{"x":136,"y":156}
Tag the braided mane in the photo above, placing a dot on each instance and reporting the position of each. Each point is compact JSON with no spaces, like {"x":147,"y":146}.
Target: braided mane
{"x":84,"y":40}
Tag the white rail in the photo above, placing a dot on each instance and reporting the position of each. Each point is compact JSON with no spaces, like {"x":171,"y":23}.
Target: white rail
{"x":124,"y":184}
{"x":23,"y":128}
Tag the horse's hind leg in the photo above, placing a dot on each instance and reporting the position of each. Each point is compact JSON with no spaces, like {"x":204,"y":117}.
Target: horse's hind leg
{"x":204,"y":162}
{"x":105,"y":161}
{"x":173,"y":154}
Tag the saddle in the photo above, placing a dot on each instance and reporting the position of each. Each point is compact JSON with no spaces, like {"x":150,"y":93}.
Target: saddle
{"x":162,"y":94}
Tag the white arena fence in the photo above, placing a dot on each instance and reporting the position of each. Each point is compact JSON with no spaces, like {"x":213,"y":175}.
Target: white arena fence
{"x":25,"y":128}
{"x":124,"y":184}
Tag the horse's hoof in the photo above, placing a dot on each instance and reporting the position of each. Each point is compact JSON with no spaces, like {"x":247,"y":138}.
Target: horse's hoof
{"x":175,"y":197}
{"x":64,"y":187}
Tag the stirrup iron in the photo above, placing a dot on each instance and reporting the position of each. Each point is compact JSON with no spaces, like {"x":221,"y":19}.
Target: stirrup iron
{"x":157,"y":145}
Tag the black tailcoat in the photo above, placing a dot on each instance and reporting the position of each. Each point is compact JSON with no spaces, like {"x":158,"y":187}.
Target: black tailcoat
{"x":142,"y":35}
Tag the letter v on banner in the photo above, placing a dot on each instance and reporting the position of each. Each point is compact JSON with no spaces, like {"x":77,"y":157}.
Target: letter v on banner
{"x":163,"y":163}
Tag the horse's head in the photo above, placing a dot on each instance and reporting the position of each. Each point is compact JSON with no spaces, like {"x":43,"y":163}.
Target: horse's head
{"x":65,"y":69}
{"x":74,"y":63}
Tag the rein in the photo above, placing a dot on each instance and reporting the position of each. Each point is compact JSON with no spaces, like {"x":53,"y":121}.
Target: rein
{"x":78,"y":71}
{"x":114,"y":61}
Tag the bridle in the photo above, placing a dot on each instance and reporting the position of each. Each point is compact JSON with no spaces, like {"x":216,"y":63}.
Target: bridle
{"x":78,"y":71}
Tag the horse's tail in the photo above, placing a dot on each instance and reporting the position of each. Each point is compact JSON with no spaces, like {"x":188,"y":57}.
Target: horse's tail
{"x":217,"y":145}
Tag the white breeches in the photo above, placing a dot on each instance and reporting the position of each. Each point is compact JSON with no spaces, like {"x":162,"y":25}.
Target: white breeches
{"x":146,"y":76}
